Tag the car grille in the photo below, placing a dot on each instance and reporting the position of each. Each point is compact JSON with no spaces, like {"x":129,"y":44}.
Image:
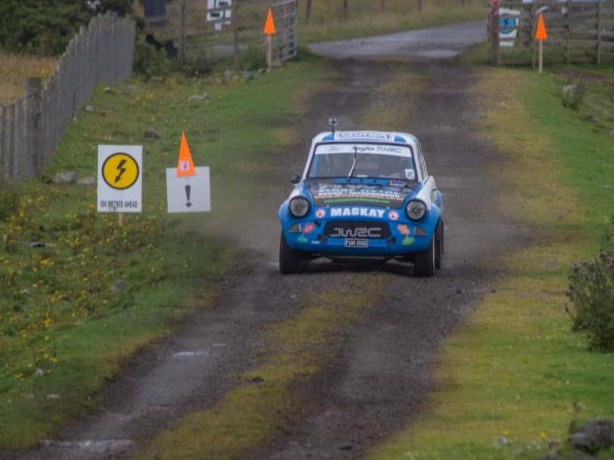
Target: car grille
{"x":356,"y":229}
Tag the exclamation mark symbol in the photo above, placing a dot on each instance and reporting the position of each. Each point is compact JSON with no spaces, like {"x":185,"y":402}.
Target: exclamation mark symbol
{"x":188,"y":192}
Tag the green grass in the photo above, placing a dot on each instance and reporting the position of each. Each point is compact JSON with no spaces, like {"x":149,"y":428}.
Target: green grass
{"x":72,"y":312}
{"x":515,"y":377}
{"x":365,"y":18}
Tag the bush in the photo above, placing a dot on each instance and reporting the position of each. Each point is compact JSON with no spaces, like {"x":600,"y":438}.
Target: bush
{"x":572,"y":95}
{"x":150,"y":62}
{"x":9,"y":200}
{"x":591,"y":291}
{"x":253,"y":58}
{"x":198,"y":66}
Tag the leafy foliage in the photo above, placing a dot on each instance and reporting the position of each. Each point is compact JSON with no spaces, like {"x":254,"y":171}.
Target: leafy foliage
{"x":9,"y":200}
{"x":150,"y":62}
{"x":45,"y":27}
{"x":591,"y":289}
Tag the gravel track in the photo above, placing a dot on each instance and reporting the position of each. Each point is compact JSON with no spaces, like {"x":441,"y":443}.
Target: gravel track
{"x":381,"y":373}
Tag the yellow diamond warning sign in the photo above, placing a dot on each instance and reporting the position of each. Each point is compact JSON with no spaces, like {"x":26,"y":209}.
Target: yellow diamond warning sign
{"x":120,"y":171}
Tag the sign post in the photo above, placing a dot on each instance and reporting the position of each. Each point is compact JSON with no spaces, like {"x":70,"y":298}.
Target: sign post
{"x":269,"y":31}
{"x":541,"y":34}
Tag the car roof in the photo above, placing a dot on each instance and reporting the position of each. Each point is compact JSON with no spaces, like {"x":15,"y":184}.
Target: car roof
{"x":367,"y":136}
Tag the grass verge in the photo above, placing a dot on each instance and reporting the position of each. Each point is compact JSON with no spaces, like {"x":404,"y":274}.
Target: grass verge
{"x":79,"y":293}
{"x":515,"y":377}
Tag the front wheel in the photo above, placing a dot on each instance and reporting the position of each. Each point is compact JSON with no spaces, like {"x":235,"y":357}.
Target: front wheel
{"x":290,"y":260}
{"x":424,"y":262}
{"x":439,"y":245}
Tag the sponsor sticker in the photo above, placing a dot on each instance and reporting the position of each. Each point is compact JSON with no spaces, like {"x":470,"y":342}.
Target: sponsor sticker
{"x":408,"y":241}
{"x":393,"y":215}
{"x":320,"y":213}
{"x":364,"y":135}
{"x":357,"y":211}
{"x":404,"y":229}
{"x":310,"y":227}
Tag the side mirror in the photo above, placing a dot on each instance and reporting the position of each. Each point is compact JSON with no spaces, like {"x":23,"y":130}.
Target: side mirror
{"x":295,"y":179}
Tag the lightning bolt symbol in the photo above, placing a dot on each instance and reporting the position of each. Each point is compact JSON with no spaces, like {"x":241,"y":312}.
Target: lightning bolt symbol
{"x":121,"y":170}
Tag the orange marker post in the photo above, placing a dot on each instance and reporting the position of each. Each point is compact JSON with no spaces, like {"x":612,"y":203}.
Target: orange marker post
{"x":541,"y":34}
{"x":269,"y":30}
{"x":185,"y":165}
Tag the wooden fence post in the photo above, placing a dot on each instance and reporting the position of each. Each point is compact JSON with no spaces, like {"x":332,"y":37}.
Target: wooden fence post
{"x":533,"y":25}
{"x":599,"y":34}
{"x":307,"y":11}
{"x":235,"y":34}
{"x":346,"y":7}
{"x":33,"y":88}
{"x":382,"y":5}
{"x":10,"y":133}
{"x":4,"y":175}
{"x":182,"y":33}
{"x":493,"y":22}
{"x":568,"y":34}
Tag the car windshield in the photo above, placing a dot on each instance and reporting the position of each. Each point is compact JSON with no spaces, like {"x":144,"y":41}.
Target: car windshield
{"x":380,"y":161}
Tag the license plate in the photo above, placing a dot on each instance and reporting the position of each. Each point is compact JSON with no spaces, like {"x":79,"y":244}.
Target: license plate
{"x":356,"y":243}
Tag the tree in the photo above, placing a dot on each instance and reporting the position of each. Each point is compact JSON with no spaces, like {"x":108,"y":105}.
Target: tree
{"x":46,"y":26}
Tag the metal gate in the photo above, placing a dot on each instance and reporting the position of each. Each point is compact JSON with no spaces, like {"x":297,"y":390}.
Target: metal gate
{"x":222,"y":29}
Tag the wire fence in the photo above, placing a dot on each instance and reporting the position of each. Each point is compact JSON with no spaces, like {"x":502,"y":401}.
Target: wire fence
{"x":31,"y":128}
{"x":219,"y":29}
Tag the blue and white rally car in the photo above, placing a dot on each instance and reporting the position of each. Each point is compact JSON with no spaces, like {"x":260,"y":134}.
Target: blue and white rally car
{"x":363,"y":194}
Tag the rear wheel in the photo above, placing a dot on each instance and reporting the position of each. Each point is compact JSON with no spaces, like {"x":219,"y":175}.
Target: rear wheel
{"x":424,"y":262}
{"x":290,"y":260}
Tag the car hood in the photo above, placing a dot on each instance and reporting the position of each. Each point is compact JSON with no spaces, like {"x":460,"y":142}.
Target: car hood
{"x":389,"y":195}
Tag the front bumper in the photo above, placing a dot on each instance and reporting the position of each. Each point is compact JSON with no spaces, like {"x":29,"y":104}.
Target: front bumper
{"x":358,"y":238}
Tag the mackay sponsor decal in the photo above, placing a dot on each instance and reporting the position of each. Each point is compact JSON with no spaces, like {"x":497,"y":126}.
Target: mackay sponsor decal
{"x":357,"y":211}
{"x":360,"y":194}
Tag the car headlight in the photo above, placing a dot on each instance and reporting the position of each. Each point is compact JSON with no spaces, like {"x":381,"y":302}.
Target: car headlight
{"x":415,"y":209}
{"x":299,"y":206}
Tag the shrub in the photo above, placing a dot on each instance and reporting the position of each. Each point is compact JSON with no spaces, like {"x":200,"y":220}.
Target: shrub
{"x":253,"y":58}
{"x":150,"y":62}
{"x":198,"y":66}
{"x":591,"y":291}
{"x":572,"y":95}
{"x":9,"y":200}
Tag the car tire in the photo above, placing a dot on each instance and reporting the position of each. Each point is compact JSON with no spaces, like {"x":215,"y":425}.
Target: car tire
{"x":439,"y":245}
{"x":424,"y":262}
{"x":290,"y":260}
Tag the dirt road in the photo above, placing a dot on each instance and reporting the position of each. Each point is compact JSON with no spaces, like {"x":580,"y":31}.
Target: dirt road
{"x":378,"y":375}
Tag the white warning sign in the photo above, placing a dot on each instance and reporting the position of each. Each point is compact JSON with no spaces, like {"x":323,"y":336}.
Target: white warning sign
{"x":188,"y":193}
